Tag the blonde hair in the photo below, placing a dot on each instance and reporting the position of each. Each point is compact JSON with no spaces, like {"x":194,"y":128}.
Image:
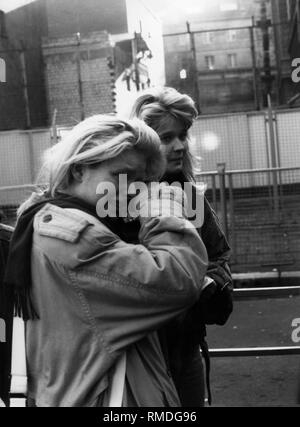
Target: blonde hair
{"x":93,"y":141}
{"x":158,"y":105}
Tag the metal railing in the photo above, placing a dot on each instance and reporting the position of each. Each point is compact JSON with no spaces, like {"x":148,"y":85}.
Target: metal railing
{"x":245,"y":294}
{"x":259,"y":211}
{"x":260,"y":214}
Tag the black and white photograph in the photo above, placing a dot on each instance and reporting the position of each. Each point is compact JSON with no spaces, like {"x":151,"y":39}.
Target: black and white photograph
{"x":149,"y":206}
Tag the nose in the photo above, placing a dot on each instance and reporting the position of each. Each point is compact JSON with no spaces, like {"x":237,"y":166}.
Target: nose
{"x":178,"y":145}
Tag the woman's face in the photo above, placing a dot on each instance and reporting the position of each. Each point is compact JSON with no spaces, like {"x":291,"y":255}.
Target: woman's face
{"x":173,"y":136}
{"x":130,"y":163}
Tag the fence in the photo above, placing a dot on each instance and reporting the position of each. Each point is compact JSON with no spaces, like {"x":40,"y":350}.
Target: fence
{"x":256,"y":197}
{"x":230,"y":67}
{"x":259,"y":210}
{"x":255,"y":357}
{"x":244,"y":140}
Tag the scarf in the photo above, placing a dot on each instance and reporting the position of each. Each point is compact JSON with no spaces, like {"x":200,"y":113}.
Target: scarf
{"x":18,"y":270}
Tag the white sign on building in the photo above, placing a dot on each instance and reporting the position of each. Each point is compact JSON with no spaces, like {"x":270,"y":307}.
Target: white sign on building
{"x":2,"y":71}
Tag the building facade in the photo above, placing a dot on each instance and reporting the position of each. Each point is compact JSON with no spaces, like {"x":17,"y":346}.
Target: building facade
{"x":74,"y":61}
{"x":226,"y":56}
{"x":22,"y":108}
{"x":286,"y":15}
{"x":294,"y":17}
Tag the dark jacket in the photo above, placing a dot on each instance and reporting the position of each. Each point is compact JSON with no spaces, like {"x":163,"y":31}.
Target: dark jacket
{"x":182,"y":337}
{"x":180,"y":340}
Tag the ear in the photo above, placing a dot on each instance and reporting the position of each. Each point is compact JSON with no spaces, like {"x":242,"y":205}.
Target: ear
{"x":77,"y":172}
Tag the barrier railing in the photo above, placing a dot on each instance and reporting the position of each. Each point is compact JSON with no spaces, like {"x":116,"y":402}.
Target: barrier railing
{"x":259,"y":210}
{"x":245,"y":294}
{"x":260,"y":214}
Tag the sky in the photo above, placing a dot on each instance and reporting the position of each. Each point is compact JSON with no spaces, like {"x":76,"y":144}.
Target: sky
{"x":159,"y":6}
{"x":7,"y":5}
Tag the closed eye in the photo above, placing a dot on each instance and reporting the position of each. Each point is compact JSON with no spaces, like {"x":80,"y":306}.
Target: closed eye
{"x":183,"y":136}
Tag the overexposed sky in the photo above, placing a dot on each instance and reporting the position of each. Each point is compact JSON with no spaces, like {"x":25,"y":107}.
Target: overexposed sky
{"x":159,"y":6}
{"x":7,"y":5}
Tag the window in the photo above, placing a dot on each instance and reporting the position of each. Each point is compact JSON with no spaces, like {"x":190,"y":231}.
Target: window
{"x":210,"y":62}
{"x":232,"y":36}
{"x":208,"y":38}
{"x":232,"y":60}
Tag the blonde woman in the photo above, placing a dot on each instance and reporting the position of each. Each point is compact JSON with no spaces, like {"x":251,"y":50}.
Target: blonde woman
{"x":172,"y":114}
{"x":88,"y":296}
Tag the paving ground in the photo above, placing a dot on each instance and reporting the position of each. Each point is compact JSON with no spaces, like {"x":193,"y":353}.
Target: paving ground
{"x":252,"y":382}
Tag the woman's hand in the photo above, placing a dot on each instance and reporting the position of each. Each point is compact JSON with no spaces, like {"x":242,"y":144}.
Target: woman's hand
{"x":162,"y":200}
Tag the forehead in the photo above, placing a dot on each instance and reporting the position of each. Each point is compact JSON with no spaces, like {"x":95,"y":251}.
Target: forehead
{"x":131,"y":160}
{"x":170,"y":125}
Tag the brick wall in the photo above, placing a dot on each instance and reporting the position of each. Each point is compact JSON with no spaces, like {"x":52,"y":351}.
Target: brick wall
{"x":69,"y":16}
{"x":67,"y":64}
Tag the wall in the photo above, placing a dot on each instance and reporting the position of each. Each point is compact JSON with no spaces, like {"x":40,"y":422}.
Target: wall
{"x":25,"y":27}
{"x":295,"y":41}
{"x":242,"y":141}
{"x":71,"y":16}
{"x":239,"y":140}
{"x":20,"y":160}
{"x":63,"y":72}
{"x":55,"y":85}
{"x":283,"y":34}
{"x":12,"y":106}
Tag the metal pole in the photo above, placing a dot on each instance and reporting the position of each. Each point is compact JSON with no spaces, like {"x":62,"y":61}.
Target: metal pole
{"x":254,"y":65}
{"x":31,"y":156}
{"x":265,"y":24}
{"x":54,"y":128}
{"x":195,"y":66}
{"x":214,"y":191}
{"x":273,"y":156}
{"x":80,"y":91}
{"x":277,"y":33}
{"x":136,"y":62}
{"x":28,"y":116}
{"x":232,"y":217}
{"x":222,"y":181}
{"x":255,"y":352}
{"x":25,"y":89}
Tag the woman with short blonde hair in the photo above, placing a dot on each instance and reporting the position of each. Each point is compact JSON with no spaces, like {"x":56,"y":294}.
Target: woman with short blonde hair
{"x":93,"y":141}
{"x":88,"y":297}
